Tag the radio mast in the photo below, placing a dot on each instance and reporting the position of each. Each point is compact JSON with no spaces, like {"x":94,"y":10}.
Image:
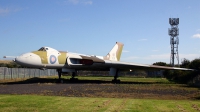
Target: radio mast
{"x":174,"y":40}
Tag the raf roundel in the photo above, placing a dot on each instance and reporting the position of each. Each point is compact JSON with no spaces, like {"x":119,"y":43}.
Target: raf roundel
{"x":52,"y":59}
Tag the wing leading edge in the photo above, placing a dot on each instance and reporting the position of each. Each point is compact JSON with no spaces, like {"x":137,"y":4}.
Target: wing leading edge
{"x":134,"y":66}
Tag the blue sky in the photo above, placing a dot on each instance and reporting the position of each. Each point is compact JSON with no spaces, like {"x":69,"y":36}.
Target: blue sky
{"x":93,"y":27}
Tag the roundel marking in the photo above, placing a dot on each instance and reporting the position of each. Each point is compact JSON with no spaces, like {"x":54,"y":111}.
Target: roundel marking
{"x":52,"y":59}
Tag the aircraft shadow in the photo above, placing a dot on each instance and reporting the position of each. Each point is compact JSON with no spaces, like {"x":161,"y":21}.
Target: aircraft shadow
{"x":35,"y":80}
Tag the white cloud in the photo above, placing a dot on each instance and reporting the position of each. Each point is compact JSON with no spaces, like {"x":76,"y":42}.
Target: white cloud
{"x":167,"y":56}
{"x":155,"y":50}
{"x":142,"y":40}
{"x":86,"y":2}
{"x":124,"y":51}
{"x":131,"y":58}
{"x":159,"y":57}
{"x":196,"y":35}
{"x":150,"y":57}
{"x":147,"y":59}
{"x":5,"y":11}
{"x":189,"y":56}
{"x":74,"y":1}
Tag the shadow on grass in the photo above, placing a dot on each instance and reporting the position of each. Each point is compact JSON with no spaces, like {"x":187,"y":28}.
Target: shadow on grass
{"x":185,"y":84}
{"x":189,"y":86}
{"x":78,"y":81}
{"x":197,"y":98}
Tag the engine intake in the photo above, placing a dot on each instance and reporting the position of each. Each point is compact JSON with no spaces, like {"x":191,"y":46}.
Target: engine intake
{"x":77,"y":61}
{"x":86,"y":62}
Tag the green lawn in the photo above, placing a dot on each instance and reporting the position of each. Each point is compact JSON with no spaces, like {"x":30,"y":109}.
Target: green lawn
{"x":26,"y":103}
{"x":97,"y":78}
{"x":36,"y":103}
{"x":123,"y":79}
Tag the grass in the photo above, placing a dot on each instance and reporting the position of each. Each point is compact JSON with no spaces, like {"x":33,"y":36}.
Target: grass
{"x":36,"y":103}
{"x":124,"y":79}
{"x":24,"y":103}
{"x":134,"y":79}
{"x":98,"y":78}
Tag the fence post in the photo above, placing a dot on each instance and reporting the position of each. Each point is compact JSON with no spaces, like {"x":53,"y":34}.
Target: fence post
{"x":39,"y":73}
{"x":34,"y":72}
{"x":18,"y":72}
{"x":5,"y":70}
{"x":24,"y":72}
{"x":48,"y":71}
{"x":11,"y":72}
{"x":29,"y":72}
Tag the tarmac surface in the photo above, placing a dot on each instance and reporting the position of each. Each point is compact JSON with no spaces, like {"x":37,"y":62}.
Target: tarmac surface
{"x":101,"y":89}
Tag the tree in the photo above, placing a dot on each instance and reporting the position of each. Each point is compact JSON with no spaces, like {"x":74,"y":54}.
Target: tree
{"x":160,"y":64}
{"x":195,"y":64}
{"x":184,"y":76}
{"x":185,"y":63}
{"x":10,"y":65}
{"x":2,"y":65}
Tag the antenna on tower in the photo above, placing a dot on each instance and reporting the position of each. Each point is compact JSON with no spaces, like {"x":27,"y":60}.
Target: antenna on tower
{"x":174,"y":40}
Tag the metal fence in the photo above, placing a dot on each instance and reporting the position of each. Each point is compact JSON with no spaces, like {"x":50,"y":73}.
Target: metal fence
{"x":13,"y":73}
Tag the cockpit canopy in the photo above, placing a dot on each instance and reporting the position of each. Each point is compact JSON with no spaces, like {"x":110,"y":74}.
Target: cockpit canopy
{"x":43,"y":49}
{"x":47,"y":49}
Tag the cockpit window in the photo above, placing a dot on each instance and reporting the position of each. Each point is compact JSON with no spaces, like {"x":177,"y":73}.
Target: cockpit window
{"x":47,"y":49}
{"x":42,"y":49}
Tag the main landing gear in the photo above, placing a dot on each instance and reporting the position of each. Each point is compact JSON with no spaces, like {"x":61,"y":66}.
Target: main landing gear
{"x":73,"y":76}
{"x":59,"y":74}
{"x":74,"y":73}
{"x":115,"y":80}
{"x":115,"y":72}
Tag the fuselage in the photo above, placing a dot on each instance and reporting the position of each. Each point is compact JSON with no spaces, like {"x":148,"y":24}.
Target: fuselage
{"x":47,"y":57}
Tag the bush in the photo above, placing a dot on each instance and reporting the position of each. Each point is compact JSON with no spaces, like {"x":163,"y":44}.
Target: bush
{"x":195,"y":64}
{"x":184,"y":76}
{"x":180,"y":76}
{"x":10,"y":65}
{"x":185,"y":63}
{"x":161,"y":64}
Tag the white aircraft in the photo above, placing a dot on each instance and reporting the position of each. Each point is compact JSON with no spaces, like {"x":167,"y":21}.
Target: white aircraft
{"x":65,"y":62}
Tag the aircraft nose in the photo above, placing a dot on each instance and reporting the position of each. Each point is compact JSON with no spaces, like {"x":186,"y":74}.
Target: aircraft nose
{"x":28,"y":60}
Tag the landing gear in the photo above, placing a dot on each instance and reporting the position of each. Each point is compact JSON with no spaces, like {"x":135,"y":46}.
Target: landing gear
{"x":59,"y":74}
{"x":115,"y":80}
{"x":73,"y":76}
{"x":115,"y":72}
{"x":64,"y":70}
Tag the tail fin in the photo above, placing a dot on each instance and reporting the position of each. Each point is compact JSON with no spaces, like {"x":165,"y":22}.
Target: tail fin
{"x":115,"y":53}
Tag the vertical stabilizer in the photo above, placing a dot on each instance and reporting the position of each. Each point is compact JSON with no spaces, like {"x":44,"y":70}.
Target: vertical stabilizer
{"x":115,"y":53}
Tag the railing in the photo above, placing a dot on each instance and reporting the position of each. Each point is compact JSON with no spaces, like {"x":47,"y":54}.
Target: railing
{"x":14,"y":73}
